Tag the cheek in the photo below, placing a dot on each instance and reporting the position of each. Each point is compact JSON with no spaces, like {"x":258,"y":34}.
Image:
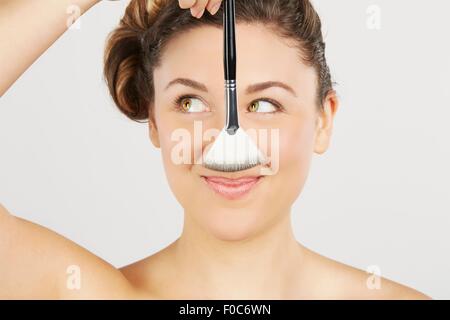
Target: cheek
{"x":176,"y":146}
{"x":296,"y":146}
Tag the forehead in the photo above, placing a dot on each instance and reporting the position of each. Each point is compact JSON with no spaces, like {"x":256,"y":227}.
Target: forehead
{"x":261,"y":56}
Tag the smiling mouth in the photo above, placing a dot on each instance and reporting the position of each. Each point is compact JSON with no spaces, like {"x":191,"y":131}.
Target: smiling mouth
{"x":232,"y":189}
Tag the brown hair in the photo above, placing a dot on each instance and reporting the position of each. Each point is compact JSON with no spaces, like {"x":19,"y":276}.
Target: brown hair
{"x":134,"y":48}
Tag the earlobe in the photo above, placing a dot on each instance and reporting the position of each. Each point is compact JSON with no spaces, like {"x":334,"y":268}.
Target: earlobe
{"x":153,"y":133}
{"x":324,"y":127}
{"x":322,"y":137}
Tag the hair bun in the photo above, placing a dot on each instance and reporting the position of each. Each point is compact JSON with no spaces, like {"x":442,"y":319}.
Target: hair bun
{"x":124,"y":70}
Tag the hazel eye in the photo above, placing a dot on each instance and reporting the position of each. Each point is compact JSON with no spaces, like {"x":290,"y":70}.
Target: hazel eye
{"x":262,"y":106}
{"x":192,"y":105}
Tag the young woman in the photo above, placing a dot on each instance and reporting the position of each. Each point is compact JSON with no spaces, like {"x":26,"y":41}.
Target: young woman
{"x":165,"y":65}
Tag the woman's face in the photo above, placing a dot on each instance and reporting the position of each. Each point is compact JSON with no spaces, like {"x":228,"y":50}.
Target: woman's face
{"x":294,"y":128}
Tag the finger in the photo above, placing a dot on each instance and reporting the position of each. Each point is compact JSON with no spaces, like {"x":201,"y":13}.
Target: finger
{"x":199,"y":8}
{"x":213,"y":6}
{"x":186,"y":4}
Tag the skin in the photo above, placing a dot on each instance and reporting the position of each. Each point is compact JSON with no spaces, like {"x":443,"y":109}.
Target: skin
{"x":228,"y":249}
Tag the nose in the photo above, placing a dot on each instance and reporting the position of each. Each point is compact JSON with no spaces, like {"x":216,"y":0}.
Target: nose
{"x":221,"y":115}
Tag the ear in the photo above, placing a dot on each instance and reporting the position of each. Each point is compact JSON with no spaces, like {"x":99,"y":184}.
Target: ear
{"x":324,"y":122}
{"x":153,"y":133}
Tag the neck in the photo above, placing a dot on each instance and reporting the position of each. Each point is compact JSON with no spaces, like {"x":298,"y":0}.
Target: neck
{"x":260,"y":267}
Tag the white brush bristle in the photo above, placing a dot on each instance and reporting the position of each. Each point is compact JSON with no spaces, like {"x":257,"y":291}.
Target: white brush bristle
{"x":233,"y":152}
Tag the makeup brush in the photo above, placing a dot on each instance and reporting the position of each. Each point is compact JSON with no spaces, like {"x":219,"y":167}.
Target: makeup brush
{"x":233,"y":149}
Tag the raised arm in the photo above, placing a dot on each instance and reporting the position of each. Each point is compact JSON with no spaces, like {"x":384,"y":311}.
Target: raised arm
{"x":36,"y":262}
{"x":27,"y":29}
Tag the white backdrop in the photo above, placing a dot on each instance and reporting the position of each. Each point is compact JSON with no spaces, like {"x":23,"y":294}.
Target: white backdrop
{"x":379,"y":197}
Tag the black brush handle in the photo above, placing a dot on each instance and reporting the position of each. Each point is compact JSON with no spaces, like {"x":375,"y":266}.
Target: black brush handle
{"x":230,"y":66}
{"x":229,"y":40}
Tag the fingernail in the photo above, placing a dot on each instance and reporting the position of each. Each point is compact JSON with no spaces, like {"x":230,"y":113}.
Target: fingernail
{"x":199,"y":14}
{"x":215,"y":8}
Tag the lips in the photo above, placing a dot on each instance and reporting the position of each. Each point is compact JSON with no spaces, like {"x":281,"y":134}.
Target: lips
{"x":232,"y":189}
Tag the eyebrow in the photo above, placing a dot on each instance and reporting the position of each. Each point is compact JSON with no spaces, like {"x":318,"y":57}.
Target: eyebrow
{"x":250,"y":89}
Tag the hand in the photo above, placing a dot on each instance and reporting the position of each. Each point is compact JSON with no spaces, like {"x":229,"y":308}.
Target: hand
{"x":198,"y":6}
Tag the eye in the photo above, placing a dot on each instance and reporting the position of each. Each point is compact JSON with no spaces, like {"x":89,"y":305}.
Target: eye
{"x":189,"y":104}
{"x":263,"y":106}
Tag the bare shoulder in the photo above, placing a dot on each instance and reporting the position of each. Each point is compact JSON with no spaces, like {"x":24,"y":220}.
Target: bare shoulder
{"x":38,"y":263}
{"x":346,"y":282}
{"x":152,"y":275}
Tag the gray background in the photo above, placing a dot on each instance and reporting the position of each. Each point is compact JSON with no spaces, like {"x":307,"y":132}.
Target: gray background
{"x":380,"y":196}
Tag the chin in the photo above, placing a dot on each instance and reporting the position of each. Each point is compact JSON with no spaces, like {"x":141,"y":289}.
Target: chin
{"x":236,"y":224}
